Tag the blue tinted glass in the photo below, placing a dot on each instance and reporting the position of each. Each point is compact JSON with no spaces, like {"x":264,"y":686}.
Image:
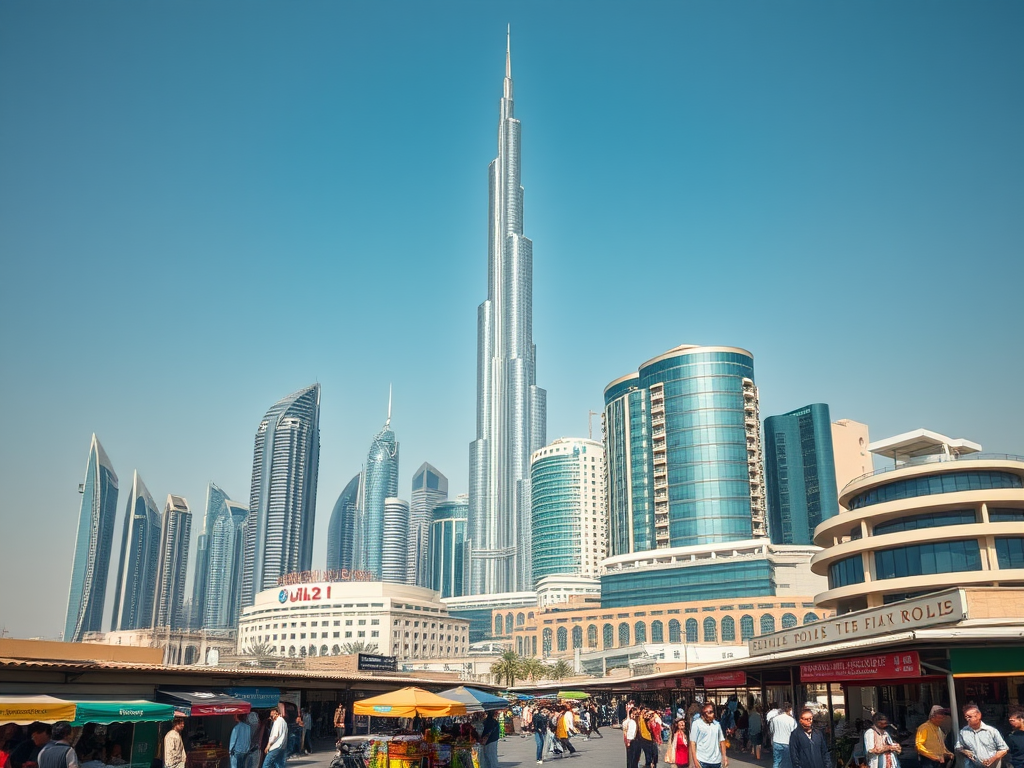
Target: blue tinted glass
{"x":1010,"y":552}
{"x":948,"y":483}
{"x":923,"y":559}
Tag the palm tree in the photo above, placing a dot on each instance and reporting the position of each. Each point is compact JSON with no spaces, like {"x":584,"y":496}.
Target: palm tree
{"x":531,"y":668}
{"x":261,"y":653}
{"x":359,"y":647}
{"x":560,"y":670}
{"x":507,"y":668}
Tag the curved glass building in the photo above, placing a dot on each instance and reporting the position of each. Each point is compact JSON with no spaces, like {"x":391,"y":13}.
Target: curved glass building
{"x":282,"y":498}
{"x":224,"y":558}
{"x":341,"y":533}
{"x":175,"y":534}
{"x":215,"y":497}
{"x":380,"y":482}
{"x":447,"y":547}
{"x":140,"y":556}
{"x":567,"y":499}
{"x":92,"y":546}
{"x":684,"y":451}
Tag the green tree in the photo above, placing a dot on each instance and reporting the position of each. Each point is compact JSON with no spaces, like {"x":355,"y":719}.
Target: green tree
{"x":531,"y":668}
{"x":507,"y":668}
{"x":560,"y":670}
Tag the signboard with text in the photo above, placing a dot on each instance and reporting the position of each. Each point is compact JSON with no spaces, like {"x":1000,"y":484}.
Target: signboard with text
{"x":371,"y":662}
{"x":947,"y":607}
{"x":726,"y":680}
{"x":883,"y":666}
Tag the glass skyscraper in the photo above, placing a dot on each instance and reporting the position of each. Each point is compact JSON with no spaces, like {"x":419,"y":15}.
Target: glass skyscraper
{"x":683,"y":446}
{"x":215,"y":497}
{"x":282,"y":498}
{"x":800,"y":473}
{"x":380,"y":482}
{"x":511,"y":413}
{"x":395,"y":542}
{"x":447,"y":564}
{"x":140,"y":557}
{"x":341,"y":533}
{"x":224,"y":560}
{"x":175,"y":534}
{"x":92,"y":546}
{"x":429,"y":488}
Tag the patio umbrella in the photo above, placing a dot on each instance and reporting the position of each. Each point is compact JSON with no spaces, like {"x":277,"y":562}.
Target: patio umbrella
{"x":409,"y":702}
{"x":475,"y":699}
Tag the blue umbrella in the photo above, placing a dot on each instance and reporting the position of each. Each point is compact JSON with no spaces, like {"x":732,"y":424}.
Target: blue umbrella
{"x":473,"y":696}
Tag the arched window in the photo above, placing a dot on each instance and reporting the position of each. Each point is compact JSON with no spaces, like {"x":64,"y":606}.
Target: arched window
{"x":767,"y":624}
{"x":563,"y":639}
{"x":608,"y":636}
{"x":640,"y":632}
{"x":291,"y":651}
{"x":623,"y":634}
{"x":657,"y":632}
{"x":519,"y":645}
{"x":710,"y":630}
{"x":530,"y":615}
{"x":323,"y":650}
{"x":674,"y":633}
{"x":746,"y":627}
{"x":534,"y":641}
{"x":498,"y":630}
{"x":728,"y":629}
{"x":577,"y":637}
{"x":312,"y":650}
{"x":508,"y":624}
{"x":520,"y":619}
{"x":788,"y":621}
{"x":691,"y":630}
{"x":336,"y":650}
{"x":547,"y":641}
{"x":592,"y":636}
{"x":810,"y":618}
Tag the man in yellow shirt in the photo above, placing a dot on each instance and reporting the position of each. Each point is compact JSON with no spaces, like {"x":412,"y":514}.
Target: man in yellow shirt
{"x":931,"y":740}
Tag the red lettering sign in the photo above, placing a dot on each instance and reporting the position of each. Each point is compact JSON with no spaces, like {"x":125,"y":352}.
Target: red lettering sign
{"x":884,"y":666}
{"x":725,"y":680}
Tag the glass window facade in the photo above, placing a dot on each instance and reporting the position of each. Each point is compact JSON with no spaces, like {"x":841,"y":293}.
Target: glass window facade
{"x":948,"y":482}
{"x":728,"y":629}
{"x":710,"y":630}
{"x":930,"y":520}
{"x":996,"y":515}
{"x":847,"y":571}
{"x":657,"y":632}
{"x":674,"y":631}
{"x":608,"y":636}
{"x":691,"y":630}
{"x":1010,"y":552}
{"x":788,"y":621}
{"x":746,"y":628}
{"x":640,"y":632}
{"x":923,"y":559}
{"x":767,"y":624}
{"x":708,"y":581}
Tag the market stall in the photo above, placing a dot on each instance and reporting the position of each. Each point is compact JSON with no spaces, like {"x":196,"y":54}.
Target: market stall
{"x":209,"y":720}
{"x":431,"y":749}
{"x":25,"y":710}
{"x":119,"y":730}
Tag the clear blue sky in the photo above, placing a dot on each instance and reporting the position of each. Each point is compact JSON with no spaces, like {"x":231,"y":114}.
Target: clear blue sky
{"x":206,"y":206}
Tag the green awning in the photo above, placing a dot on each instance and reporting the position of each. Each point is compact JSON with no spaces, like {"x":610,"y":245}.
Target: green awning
{"x":986,"y":661}
{"x":106,"y":712}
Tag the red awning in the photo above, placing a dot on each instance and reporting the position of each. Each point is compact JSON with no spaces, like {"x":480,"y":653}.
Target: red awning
{"x":203,"y":703}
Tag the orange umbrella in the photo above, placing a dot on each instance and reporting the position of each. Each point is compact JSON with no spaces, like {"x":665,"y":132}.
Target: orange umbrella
{"x":409,"y":702}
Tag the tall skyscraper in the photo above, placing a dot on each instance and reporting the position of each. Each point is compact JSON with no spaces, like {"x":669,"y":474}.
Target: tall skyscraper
{"x":341,"y":533}
{"x":800,"y":473}
{"x":511,"y":410}
{"x":394,"y":560}
{"x":570,"y":533}
{"x":429,"y":488}
{"x":140,"y":558}
{"x":215,"y":498}
{"x":224,"y":560}
{"x":683,"y":451}
{"x":92,"y":546}
{"x":282,"y":499}
{"x":380,"y":482}
{"x":447,"y":555}
{"x":175,"y":534}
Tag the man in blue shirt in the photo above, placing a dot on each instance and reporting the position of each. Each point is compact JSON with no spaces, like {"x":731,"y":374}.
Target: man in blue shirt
{"x":707,"y":742}
{"x":238,"y":746}
{"x":980,"y":744}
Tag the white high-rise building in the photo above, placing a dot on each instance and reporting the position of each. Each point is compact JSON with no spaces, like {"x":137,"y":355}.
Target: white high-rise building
{"x":170,"y":576}
{"x":511,"y":410}
{"x":394,"y":547}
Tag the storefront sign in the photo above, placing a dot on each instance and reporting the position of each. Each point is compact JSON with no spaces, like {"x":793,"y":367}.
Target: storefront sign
{"x":259,"y":698}
{"x":946,"y":607}
{"x":725,"y":680}
{"x":885,"y":666}
{"x":373,"y":663}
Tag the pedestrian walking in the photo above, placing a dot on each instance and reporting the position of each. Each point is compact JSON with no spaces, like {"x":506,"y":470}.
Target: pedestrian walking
{"x":807,"y":747}
{"x":629,"y":733}
{"x":239,"y":743}
{"x":678,"y":751}
{"x":782,"y":725}
{"x":277,"y":744}
{"x":707,"y":741}
{"x":489,"y":737}
{"x":879,"y":746}
{"x":339,"y":721}
{"x":306,"y":747}
{"x":930,"y":740}
{"x":981,"y":745}
{"x":564,"y":729}
{"x":594,"y":717}
{"x":754,"y":721}
{"x":539,"y":723}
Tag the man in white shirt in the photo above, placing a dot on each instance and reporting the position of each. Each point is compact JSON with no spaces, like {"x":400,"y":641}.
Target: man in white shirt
{"x":781,"y":726}
{"x":275,"y":750}
{"x":981,"y":745}
{"x":629,"y":736}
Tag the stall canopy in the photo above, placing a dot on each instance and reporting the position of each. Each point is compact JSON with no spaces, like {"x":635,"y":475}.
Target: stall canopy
{"x":25,"y":710}
{"x":203,"y":703}
{"x":258,"y":698}
{"x":107,"y":712}
{"x":474,"y":699}
{"x":409,"y":702}
{"x":573,"y":695}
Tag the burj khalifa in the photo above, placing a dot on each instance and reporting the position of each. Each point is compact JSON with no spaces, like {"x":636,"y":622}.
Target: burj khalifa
{"x":511,"y":410}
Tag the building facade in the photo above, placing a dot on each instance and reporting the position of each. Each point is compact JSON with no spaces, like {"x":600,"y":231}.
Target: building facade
{"x":567,"y":497}
{"x":322,"y":618}
{"x":282,"y":498}
{"x":341,"y":533}
{"x":447,"y":556}
{"x":429,"y":488}
{"x":175,"y":535}
{"x":850,"y":441}
{"x":511,"y":410}
{"x":215,"y":497}
{"x":395,"y":542}
{"x":224,"y":560}
{"x":800,"y":473}
{"x":93,"y":543}
{"x":380,"y":482}
{"x":683,"y":452}
{"x":140,"y":558}
{"x":943,"y":514}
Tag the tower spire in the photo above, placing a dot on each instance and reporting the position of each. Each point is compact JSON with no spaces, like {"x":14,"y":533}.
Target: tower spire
{"x":388,"y":422}
{"x":508,"y":52}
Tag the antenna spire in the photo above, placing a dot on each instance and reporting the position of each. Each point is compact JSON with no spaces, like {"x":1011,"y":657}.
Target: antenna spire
{"x":388,"y":422}
{"x":508,"y":52}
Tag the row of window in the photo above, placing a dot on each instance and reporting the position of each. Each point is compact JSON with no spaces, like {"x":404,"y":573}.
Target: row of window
{"x":949,"y":482}
{"x":940,"y":519}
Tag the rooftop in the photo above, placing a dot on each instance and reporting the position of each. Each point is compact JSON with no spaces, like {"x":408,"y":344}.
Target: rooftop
{"x":922,"y":442}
